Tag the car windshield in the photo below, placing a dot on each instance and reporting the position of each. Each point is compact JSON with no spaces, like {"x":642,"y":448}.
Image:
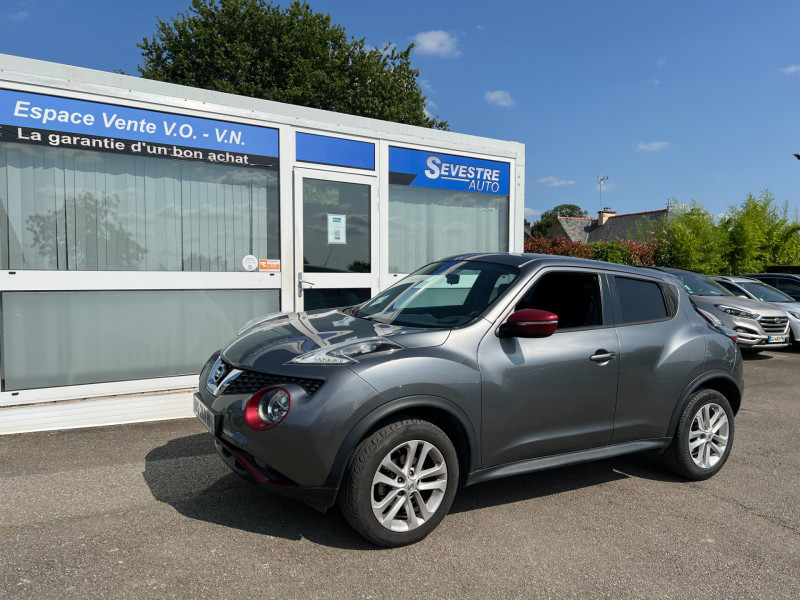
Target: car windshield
{"x":764,"y":292}
{"x":442,"y":294}
{"x":700,"y":285}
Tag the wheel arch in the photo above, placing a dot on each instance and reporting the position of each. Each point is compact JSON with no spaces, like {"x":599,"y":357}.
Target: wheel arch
{"x":439,"y":411}
{"x":721,"y":381}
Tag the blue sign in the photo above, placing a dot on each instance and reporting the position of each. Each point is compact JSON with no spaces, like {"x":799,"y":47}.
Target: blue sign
{"x":108,"y":121}
{"x":419,"y":168}
{"x":325,"y":150}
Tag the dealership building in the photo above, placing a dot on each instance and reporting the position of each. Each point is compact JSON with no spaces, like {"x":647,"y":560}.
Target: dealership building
{"x":142,"y":223}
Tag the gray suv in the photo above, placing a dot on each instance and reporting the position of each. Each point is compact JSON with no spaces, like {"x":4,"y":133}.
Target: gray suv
{"x":758,"y":325}
{"x":472,"y":368}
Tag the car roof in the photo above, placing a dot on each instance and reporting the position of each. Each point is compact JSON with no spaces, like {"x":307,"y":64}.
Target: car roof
{"x":525,"y":260}
{"x":792,"y":275}
{"x":738,"y":279}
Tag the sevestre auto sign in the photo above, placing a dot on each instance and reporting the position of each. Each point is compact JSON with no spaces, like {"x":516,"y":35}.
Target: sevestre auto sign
{"x":55,"y":121}
{"x":418,"y":168}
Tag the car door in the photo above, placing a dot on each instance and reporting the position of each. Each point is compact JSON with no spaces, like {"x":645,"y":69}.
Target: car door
{"x":543,"y":396}
{"x":660,"y":355}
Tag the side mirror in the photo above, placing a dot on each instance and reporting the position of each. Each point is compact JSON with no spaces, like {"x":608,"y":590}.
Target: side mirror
{"x":531,"y":322}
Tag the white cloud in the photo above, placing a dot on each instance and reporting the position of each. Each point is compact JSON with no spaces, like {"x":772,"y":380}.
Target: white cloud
{"x":19,"y":16}
{"x":652,"y":146}
{"x":655,"y":81}
{"x":791,"y":70}
{"x":430,"y":105}
{"x":532,"y":212}
{"x":499,"y":98}
{"x":426,"y":86}
{"x":607,"y":186}
{"x":437,"y":43}
{"x":555,"y":181}
{"x":661,"y":62}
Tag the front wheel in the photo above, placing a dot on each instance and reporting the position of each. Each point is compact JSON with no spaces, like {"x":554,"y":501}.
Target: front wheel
{"x":704,"y":436}
{"x":400,"y":483}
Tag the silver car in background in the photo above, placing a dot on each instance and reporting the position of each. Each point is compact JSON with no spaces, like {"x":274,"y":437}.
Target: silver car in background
{"x":745,"y":287}
{"x":758,"y":325}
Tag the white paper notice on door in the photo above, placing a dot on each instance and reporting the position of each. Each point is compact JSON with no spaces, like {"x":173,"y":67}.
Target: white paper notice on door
{"x":337,"y":229}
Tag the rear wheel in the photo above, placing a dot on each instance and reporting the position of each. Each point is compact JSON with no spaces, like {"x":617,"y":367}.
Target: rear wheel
{"x":400,"y":483}
{"x":704,"y":436}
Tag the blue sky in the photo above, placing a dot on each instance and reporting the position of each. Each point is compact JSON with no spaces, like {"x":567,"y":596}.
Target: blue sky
{"x":686,"y":99}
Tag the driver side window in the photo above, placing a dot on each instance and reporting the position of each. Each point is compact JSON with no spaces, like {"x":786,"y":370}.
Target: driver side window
{"x":574,"y":297}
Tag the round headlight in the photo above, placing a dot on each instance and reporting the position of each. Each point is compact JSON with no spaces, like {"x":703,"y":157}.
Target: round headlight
{"x":266,"y":408}
{"x":274,"y":406}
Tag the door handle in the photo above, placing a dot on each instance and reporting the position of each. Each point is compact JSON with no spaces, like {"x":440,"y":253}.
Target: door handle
{"x":602,"y":355}
{"x":300,"y":283}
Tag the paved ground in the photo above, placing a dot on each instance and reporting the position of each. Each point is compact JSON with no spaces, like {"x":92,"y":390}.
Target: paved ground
{"x":149,"y":511}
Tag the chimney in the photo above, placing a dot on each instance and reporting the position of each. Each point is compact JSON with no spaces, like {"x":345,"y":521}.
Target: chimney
{"x":603,"y":215}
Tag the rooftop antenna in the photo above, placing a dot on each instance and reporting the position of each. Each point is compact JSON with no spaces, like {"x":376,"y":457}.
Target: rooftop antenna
{"x":600,"y":180}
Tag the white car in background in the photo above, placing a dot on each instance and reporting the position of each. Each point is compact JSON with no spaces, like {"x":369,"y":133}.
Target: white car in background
{"x":746,"y":287}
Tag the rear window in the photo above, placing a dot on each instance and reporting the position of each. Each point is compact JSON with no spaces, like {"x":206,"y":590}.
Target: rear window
{"x":640,"y":300}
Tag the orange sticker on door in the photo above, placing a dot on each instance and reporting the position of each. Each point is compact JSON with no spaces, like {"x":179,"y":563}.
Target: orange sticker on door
{"x":265,"y":264}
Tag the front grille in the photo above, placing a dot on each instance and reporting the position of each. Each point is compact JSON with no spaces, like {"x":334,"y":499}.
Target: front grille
{"x":249,"y":382}
{"x":774,"y":324}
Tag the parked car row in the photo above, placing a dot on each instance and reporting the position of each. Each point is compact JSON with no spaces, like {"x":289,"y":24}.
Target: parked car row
{"x":762,"y":316}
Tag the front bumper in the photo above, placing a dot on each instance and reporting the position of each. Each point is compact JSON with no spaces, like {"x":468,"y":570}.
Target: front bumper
{"x":244,"y":464}
{"x":751,"y":335}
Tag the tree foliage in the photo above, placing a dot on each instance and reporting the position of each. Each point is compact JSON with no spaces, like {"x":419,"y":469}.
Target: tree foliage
{"x":691,"y":239}
{"x":747,"y":239}
{"x":548,"y":217}
{"x":297,"y":56}
{"x":760,"y":234}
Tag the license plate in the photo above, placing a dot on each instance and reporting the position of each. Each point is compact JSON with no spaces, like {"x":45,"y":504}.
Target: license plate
{"x":206,"y":416}
{"x":776,"y":339}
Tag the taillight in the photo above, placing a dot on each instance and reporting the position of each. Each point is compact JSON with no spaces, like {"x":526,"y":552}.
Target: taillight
{"x":266,"y":408}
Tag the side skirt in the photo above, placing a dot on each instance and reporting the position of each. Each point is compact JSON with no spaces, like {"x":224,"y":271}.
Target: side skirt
{"x":560,"y":460}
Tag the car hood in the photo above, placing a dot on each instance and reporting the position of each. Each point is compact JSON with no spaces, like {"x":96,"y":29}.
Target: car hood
{"x":788,"y":306}
{"x":265,"y":344}
{"x":762,"y":308}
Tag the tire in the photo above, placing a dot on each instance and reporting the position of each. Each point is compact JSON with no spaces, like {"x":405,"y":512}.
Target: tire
{"x":704,"y":437}
{"x":380,"y":497}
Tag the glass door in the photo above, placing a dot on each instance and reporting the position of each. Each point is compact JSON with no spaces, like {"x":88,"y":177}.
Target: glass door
{"x":336,"y":251}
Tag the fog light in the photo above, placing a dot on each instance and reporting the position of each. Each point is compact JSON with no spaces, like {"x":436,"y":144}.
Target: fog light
{"x":266,"y":408}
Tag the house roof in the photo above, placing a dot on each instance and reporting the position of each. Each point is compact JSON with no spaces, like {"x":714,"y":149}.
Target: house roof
{"x":588,"y":229}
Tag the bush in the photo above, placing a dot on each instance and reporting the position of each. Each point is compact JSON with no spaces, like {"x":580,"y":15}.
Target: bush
{"x":622,"y":252}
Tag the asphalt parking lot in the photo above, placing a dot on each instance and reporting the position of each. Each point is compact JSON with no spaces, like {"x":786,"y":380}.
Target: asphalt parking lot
{"x":150,"y":511}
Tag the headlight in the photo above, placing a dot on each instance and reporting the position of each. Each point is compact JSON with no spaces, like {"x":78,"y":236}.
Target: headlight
{"x":796,"y":315}
{"x":267,"y":408}
{"x":261,"y":320}
{"x":737,"y":312}
{"x":346,"y":352}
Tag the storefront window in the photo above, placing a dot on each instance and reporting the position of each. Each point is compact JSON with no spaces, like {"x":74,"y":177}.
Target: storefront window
{"x":441,"y":205}
{"x":68,"y":338}
{"x":84,"y":210}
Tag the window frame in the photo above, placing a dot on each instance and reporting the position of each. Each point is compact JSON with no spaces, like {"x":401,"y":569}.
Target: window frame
{"x":605,"y":296}
{"x":672,"y":311}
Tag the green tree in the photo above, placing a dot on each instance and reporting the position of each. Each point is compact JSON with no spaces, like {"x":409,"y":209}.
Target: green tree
{"x":760,"y":233}
{"x":253,"y":48}
{"x":692,"y":239}
{"x":542,"y":227}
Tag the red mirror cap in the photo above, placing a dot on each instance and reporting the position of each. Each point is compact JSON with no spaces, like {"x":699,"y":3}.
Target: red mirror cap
{"x":532,"y":322}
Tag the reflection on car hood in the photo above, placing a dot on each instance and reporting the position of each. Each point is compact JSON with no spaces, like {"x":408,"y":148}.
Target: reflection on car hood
{"x":268,"y":345}
{"x":762,"y":308}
